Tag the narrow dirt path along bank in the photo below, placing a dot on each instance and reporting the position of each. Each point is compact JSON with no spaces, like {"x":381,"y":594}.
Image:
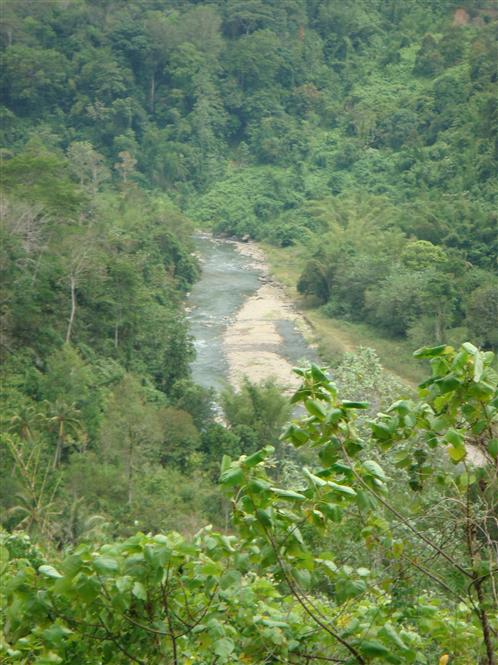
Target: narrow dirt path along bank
{"x":267,"y":336}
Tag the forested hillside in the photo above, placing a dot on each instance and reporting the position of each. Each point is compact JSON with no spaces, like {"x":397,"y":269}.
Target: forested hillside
{"x":360,"y":136}
{"x":355,"y":128}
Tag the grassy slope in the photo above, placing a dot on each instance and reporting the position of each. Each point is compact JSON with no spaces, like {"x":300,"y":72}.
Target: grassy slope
{"x":335,"y":336}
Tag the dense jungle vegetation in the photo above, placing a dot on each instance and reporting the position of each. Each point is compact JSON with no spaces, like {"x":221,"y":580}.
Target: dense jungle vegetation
{"x":362,"y":135}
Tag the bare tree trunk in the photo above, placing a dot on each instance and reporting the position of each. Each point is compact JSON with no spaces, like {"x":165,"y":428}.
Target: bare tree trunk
{"x":478,"y":581}
{"x":152,"y":98}
{"x":95,"y":180}
{"x":130,"y":468}
{"x":116,"y":335}
{"x":439,"y":326}
{"x":130,"y":484}
{"x":58,"y":452}
{"x":73,"y":310}
{"x":37,"y":266}
{"x":486,"y":629}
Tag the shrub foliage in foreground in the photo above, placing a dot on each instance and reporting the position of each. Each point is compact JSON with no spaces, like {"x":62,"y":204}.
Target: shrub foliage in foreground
{"x":353,"y":563}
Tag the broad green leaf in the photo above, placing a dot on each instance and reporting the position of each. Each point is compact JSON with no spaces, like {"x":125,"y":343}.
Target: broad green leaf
{"x":257,"y":485}
{"x":351,"y":628}
{"x":273,"y":623}
{"x":333,"y":416}
{"x":328,"y":453}
{"x":258,"y":456}
{"x":488,"y":357}
{"x":224,"y":647}
{"x":478,"y":367}
{"x":231,"y":477}
{"x":338,"y":467}
{"x":447,"y":384}
{"x":226,"y":461}
{"x":288,"y":494}
{"x":427,"y":383}
{"x":342,"y":489}
{"x":374,"y":648}
{"x":50,"y":658}
{"x":374,"y":469}
{"x":123,"y":583}
{"x":216,"y":629}
{"x":296,"y":435}
{"x":105,"y":564}
{"x":483,"y":389}
{"x":316,"y":480}
{"x":457,"y":454}
{"x":56,"y":633}
{"x":318,"y":374}
{"x":402,"y":406}
{"x":460,"y":360}
{"x":300,"y":395}
{"x":347,"y":404}
{"x":88,"y":588}
{"x":493,"y":448}
{"x":302,"y":577}
{"x":4,"y":558}
{"x":454,"y":437}
{"x":329,"y":565}
{"x":230,"y":578}
{"x":227,"y":542}
{"x":161,"y":538}
{"x":139,"y":591}
{"x":456,"y":449}
{"x":349,"y":588}
{"x":364,"y":500}
{"x":264,"y":518}
{"x":296,"y":533}
{"x":247,"y":504}
{"x":332,"y":511}
{"x":353,"y":446}
{"x":390,"y":632}
{"x":49,"y":571}
{"x":314,"y":407}
{"x":440,"y":423}
{"x":211,"y":568}
{"x":430,"y":351}
{"x":381,"y":431}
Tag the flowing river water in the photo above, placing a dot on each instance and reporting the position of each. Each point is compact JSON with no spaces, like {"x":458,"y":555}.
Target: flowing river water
{"x":242,"y":322}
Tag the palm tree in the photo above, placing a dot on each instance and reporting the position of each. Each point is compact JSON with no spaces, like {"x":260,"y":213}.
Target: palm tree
{"x":25,"y":421}
{"x":35,"y":511}
{"x":36,"y":501}
{"x":65,"y":422}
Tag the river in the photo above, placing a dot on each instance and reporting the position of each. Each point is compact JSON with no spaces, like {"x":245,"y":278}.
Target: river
{"x":242,"y":322}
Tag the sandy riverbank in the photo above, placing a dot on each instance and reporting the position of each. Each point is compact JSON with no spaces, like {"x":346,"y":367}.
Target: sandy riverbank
{"x":252,"y":341}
